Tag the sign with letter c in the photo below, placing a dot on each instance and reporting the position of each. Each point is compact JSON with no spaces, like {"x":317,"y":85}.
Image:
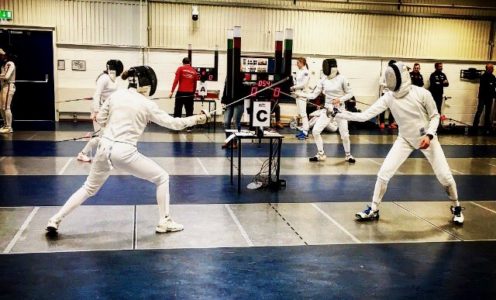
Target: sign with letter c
{"x":261,"y":113}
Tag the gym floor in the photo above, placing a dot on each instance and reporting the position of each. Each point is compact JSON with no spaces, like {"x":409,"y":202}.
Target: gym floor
{"x":299,"y":242}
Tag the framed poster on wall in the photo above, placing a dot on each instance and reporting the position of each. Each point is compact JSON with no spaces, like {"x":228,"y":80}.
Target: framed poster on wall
{"x":61,"y":64}
{"x":78,"y":65}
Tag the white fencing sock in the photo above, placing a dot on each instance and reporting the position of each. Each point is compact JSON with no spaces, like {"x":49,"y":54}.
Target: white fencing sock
{"x":379,"y":191}
{"x":452,"y":192}
{"x":163,"y":199}
{"x":3,"y":117}
{"x":8,"y":118}
{"x":319,"y":142}
{"x":74,"y":201}
{"x":346,"y":144}
{"x":305,"y":125}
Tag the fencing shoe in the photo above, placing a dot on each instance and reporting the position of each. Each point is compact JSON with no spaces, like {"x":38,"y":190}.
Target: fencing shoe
{"x":83,"y":157}
{"x":168,"y":225}
{"x":53,"y":225}
{"x":349,"y":158}
{"x":319,"y":157}
{"x":457,"y":214}
{"x":367,"y":214}
{"x":302,"y":136}
{"x":6,"y":130}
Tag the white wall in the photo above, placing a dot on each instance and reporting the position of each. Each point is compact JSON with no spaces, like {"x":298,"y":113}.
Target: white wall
{"x":93,"y":29}
{"x":362,"y":73}
{"x":78,"y":84}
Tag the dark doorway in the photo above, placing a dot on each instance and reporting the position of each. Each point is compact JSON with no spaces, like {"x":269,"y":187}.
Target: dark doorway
{"x":33,"y":105}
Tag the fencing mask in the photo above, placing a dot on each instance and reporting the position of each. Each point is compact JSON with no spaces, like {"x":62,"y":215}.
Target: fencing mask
{"x":397,"y":79}
{"x":330,"y":68}
{"x":393,"y":77}
{"x":114,"y":68}
{"x":142,"y":78}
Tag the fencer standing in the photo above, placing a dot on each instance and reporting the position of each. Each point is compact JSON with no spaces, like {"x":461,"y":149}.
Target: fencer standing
{"x":335,"y":87}
{"x":105,"y":86}
{"x":7,"y":79}
{"x":124,"y":117}
{"x":301,"y":84}
{"x":415,"y":112}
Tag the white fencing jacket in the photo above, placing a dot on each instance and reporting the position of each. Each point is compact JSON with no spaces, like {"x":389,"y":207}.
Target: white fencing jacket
{"x":337,"y":87}
{"x":126,"y":113}
{"x":105,"y":86}
{"x":7,"y":74}
{"x":413,"y":108}
{"x":301,"y":79}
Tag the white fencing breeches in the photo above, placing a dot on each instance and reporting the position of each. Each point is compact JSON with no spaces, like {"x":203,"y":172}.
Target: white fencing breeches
{"x":301,"y":104}
{"x":7,"y":94}
{"x":322,"y":122}
{"x":126,"y":158}
{"x":93,"y":142}
{"x":400,"y":151}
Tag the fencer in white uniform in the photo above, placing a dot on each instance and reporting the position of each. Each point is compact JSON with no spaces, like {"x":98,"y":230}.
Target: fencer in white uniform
{"x":124,"y":117}
{"x":106,"y":85}
{"x":335,"y":87}
{"x":7,"y":80}
{"x":301,"y":84}
{"x":416,"y":114}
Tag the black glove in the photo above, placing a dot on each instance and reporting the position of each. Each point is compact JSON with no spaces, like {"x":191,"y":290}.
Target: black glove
{"x":333,"y":112}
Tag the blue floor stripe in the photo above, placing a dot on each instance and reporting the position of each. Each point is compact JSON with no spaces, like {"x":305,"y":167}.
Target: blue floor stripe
{"x":86,"y":126}
{"x":127,"y":190}
{"x":380,"y":271}
{"x":188,"y":149}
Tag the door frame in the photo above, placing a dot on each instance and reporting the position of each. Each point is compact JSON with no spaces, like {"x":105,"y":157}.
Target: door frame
{"x":54,"y":61}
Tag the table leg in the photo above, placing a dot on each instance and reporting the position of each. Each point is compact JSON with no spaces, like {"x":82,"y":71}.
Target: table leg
{"x":271,"y":148}
{"x":239,"y":166}
{"x":232,"y":161}
{"x":279,"y":147}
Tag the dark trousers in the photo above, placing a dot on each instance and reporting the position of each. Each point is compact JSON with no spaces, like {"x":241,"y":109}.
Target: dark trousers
{"x":185,"y":99}
{"x":486,"y":105}
{"x":277,"y":111}
{"x":439,"y":101}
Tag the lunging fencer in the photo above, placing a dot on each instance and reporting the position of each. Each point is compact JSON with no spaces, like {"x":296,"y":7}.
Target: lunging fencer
{"x":415,"y":112}
{"x":335,"y":87}
{"x":7,"y":87}
{"x":105,"y":86}
{"x":124,"y":117}
{"x":301,"y":84}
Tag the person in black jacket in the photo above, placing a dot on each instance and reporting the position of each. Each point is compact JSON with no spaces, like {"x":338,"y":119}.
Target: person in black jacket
{"x":417,"y":78}
{"x":487,"y":94}
{"x":438,"y":81}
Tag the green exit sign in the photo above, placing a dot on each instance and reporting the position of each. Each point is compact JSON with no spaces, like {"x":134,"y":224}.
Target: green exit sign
{"x":5,"y":14}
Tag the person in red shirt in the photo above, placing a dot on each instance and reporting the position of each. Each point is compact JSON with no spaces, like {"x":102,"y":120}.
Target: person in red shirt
{"x":186,"y":77}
